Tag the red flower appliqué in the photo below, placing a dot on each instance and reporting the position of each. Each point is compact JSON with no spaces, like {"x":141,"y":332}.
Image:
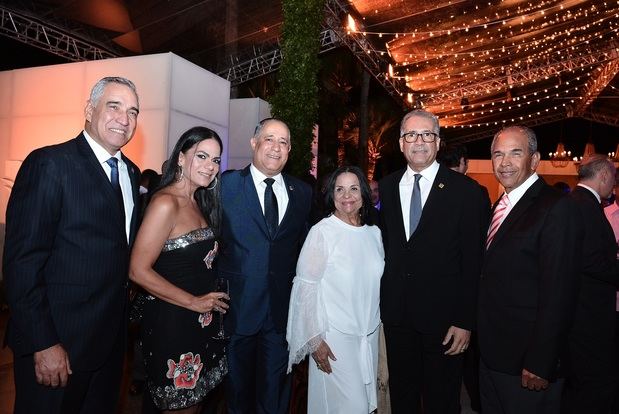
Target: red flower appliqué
{"x":187,"y":372}
{"x":205,"y":319}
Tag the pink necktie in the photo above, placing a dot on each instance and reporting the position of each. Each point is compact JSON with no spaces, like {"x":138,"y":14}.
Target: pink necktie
{"x":497,"y":218}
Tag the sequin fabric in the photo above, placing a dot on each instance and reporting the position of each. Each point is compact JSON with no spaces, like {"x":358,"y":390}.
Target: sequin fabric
{"x":185,"y":240}
{"x":170,"y":398}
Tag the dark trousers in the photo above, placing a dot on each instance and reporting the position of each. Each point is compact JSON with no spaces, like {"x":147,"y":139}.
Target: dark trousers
{"x":504,"y":394}
{"x":471,"y":372}
{"x":591,"y":380}
{"x":87,"y":392}
{"x":422,"y":379}
{"x":257,"y":381}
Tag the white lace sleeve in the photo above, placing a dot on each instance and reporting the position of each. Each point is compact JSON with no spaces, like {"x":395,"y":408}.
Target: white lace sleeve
{"x":307,"y":317}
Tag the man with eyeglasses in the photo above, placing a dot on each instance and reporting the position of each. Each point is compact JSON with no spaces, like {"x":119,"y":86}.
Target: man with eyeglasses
{"x":431,"y":219}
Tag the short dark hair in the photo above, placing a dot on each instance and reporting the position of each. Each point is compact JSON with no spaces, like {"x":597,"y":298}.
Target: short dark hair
{"x":450,"y":155}
{"x":365,"y":212}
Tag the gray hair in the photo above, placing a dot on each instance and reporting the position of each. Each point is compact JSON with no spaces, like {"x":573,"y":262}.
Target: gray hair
{"x":594,"y":164}
{"x":97,"y":91}
{"x":526,"y":131}
{"x":421,"y":113}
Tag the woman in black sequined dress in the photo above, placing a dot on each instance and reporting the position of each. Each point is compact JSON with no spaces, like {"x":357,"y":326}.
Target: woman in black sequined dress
{"x":172,"y":260}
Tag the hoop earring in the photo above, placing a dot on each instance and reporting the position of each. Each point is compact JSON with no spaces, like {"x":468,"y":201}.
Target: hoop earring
{"x":179,"y":173}
{"x":211,"y":185}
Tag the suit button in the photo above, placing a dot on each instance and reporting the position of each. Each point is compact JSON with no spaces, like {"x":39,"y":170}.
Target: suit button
{"x":409,"y":275}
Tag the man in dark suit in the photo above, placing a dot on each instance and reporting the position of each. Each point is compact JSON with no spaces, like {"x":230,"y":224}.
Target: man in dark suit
{"x":265,"y":220}
{"x":431,"y":218}
{"x":591,"y":371}
{"x":528,"y":285}
{"x":70,"y":220}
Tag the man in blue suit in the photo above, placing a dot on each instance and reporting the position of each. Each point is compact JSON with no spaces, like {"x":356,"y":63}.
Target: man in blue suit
{"x":69,"y":224}
{"x":265,"y":219}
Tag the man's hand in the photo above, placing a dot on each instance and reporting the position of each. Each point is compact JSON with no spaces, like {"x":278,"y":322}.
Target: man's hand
{"x":532,"y":381}
{"x":52,"y":367}
{"x":460,"y":342}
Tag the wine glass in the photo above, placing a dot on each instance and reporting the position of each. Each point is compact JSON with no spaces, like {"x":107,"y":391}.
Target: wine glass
{"x":221,"y":285}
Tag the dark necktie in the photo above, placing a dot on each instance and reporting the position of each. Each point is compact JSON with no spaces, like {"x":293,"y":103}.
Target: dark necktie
{"x":113,"y":163}
{"x":415,"y":211}
{"x":271,"y":212}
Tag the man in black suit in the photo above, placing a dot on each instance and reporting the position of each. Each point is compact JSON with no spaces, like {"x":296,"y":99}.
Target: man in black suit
{"x":70,"y":220}
{"x":591,"y":374}
{"x":431,"y":218}
{"x":528,"y":285}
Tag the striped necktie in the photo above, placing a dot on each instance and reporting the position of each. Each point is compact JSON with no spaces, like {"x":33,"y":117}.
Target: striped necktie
{"x":497,"y":218}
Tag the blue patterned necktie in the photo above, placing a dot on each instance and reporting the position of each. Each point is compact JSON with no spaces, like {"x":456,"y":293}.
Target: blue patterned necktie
{"x":415,"y":211}
{"x":113,"y":163}
{"x":271,"y":212}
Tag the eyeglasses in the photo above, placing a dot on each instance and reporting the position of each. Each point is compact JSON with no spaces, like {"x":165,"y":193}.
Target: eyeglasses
{"x":426,"y":136}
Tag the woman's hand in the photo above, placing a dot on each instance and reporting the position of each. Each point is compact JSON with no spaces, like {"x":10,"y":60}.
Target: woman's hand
{"x":322,"y":355}
{"x":210,"y":302}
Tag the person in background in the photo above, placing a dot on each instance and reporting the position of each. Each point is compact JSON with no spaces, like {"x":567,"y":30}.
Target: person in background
{"x":591,"y":379}
{"x":70,"y":223}
{"x":612,"y":215}
{"x":334,"y":306}
{"x":562,"y":186}
{"x":528,"y":283}
{"x":173,"y":261}
{"x":431,"y":221}
{"x":265,"y":220}
{"x":454,"y":156}
{"x":375,"y":194}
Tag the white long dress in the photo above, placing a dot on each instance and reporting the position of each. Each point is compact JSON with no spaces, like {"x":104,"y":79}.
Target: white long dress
{"x":335,"y":298}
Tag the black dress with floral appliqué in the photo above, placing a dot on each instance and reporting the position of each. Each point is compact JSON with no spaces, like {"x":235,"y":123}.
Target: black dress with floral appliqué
{"x":183,"y":361}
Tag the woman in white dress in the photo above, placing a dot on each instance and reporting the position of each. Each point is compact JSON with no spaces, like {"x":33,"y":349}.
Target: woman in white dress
{"x":334,"y":310}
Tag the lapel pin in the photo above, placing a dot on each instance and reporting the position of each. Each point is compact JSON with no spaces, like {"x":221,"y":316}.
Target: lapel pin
{"x":441,"y":185}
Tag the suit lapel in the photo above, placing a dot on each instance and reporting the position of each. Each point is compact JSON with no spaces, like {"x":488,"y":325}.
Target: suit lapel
{"x":585,"y":193}
{"x":100,"y":180}
{"x":519,"y":209}
{"x":252,"y":201}
{"x":291,"y":204}
{"x":397,"y":206}
{"x":435,"y":197}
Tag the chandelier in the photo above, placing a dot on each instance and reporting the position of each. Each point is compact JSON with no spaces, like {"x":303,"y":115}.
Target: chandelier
{"x":560,"y":158}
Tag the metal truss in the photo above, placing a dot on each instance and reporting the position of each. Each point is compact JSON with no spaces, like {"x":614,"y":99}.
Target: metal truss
{"x":526,"y":73}
{"x":488,"y":132}
{"x":601,"y":118}
{"x":260,"y":63}
{"x":52,"y":39}
{"x":597,"y":83}
{"x":363,"y":49}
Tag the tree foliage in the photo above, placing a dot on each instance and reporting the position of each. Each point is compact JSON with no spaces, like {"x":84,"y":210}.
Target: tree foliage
{"x":296,"y":98}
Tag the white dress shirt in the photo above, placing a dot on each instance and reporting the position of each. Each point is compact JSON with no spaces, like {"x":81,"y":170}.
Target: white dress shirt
{"x":279,"y":188}
{"x":123,"y":177}
{"x":516,"y":194}
{"x":406,"y":190}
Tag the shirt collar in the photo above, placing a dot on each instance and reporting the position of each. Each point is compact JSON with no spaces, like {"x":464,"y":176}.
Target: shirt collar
{"x":100,"y":152}
{"x":429,"y":173}
{"x":516,"y":194}
{"x":612,"y":208}
{"x":259,"y":177}
{"x":597,"y":196}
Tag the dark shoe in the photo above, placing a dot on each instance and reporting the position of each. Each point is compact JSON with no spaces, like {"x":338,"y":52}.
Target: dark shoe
{"x":136,"y":387}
